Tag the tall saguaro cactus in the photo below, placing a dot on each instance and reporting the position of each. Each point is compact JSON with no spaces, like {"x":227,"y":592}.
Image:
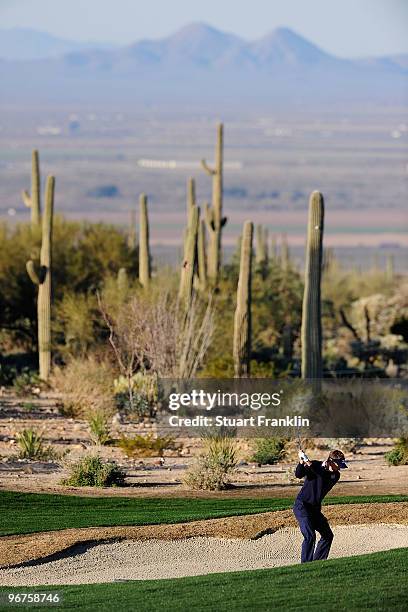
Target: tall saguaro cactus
{"x":33,"y":201}
{"x":144,"y":248}
{"x":189,"y":260}
{"x":42,"y":278}
{"x":215,"y":220}
{"x":201,"y":256}
{"x":312,"y":367}
{"x":242,"y":319}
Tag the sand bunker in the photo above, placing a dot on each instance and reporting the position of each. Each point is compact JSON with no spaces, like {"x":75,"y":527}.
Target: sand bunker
{"x":156,"y":559}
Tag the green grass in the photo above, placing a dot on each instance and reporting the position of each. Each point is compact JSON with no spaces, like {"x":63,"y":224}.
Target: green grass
{"x":368,"y":582}
{"x":31,"y":512}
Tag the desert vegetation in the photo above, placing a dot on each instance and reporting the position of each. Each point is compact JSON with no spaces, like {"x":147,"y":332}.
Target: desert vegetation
{"x":85,"y":312}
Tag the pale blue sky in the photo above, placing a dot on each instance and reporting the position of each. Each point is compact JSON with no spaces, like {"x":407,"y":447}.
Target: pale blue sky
{"x":348,"y":28}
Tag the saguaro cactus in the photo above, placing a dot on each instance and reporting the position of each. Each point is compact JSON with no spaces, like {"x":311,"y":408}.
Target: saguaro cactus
{"x":144,"y":248}
{"x":215,"y":220}
{"x":191,"y":201}
{"x":131,"y":237}
{"x":189,"y":260}
{"x":311,"y":312}
{"x":42,"y":278}
{"x":191,"y":194}
{"x":285,"y":253}
{"x":33,"y":201}
{"x":242,"y":319}
{"x":274,"y":249}
{"x":122,"y":282}
{"x":261,"y":245}
{"x":201,"y":256}
{"x":389,"y":267}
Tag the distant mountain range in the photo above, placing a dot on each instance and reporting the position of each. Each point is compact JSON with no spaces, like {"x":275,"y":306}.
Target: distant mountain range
{"x":26,"y":44}
{"x":198,"y":65}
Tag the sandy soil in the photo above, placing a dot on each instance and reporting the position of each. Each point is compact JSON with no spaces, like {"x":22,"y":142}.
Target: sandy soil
{"x":155,"y":559}
{"x":368,"y":474}
{"x":15,"y":550}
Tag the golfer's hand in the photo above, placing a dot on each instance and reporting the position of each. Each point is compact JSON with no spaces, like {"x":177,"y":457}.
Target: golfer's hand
{"x":301,"y":460}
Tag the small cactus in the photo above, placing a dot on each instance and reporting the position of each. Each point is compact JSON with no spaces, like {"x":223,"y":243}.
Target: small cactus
{"x":262,"y":254}
{"x":242,"y":319}
{"x":389,"y":267}
{"x":123,"y":282}
{"x":131,"y":237}
{"x":33,"y":201}
{"x":42,"y":278}
{"x":213,"y":214}
{"x":144,"y":248}
{"x":285,"y":254}
{"x":189,"y":259}
{"x":274,"y":249}
{"x":312,"y":368}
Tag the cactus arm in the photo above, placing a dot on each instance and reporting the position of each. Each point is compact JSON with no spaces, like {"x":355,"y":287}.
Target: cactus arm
{"x":207,"y":169}
{"x":191,"y":194}
{"x":37,"y":277}
{"x":209,"y":216}
{"x":32,"y":272}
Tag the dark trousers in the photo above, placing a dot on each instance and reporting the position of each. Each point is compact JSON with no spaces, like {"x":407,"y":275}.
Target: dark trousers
{"x":311,"y":519}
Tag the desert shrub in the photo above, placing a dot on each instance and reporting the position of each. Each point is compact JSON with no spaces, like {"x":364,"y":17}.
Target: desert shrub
{"x":268,"y":451}
{"x":152,"y":333}
{"x":347,"y":445}
{"x":99,"y":428}
{"x":32,"y":446}
{"x":215,"y":465}
{"x":75,"y":324}
{"x":7,"y":374}
{"x":86,"y":385}
{"x":137,"y":395}
{"x":148,"y":445}
{"x":91,"y":471}
{"x":399,"y":454}
{"x":27,"y":383}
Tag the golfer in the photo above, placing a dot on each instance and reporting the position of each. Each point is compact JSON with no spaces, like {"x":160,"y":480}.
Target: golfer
{"x":319,"y":479}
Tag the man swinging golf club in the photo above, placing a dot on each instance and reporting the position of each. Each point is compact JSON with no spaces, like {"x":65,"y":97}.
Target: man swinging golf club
{"x":319,"y":479}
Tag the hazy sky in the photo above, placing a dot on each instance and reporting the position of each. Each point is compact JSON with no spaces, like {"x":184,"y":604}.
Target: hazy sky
{"x":347,"y":28}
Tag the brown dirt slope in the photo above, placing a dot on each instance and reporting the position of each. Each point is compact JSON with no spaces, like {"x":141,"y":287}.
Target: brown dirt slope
{"x":15,"y":550}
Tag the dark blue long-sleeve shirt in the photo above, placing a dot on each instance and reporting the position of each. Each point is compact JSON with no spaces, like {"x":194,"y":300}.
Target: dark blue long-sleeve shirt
{"x":318,"y":482}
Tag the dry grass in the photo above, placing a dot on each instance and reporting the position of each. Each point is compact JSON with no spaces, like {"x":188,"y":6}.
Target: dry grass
{"x":86,"y":385}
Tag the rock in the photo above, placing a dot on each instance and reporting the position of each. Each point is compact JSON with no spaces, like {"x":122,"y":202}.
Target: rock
{"x":117,"y":419}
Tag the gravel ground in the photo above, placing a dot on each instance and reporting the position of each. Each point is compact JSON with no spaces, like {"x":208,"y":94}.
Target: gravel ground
{"x":157,"y":559}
